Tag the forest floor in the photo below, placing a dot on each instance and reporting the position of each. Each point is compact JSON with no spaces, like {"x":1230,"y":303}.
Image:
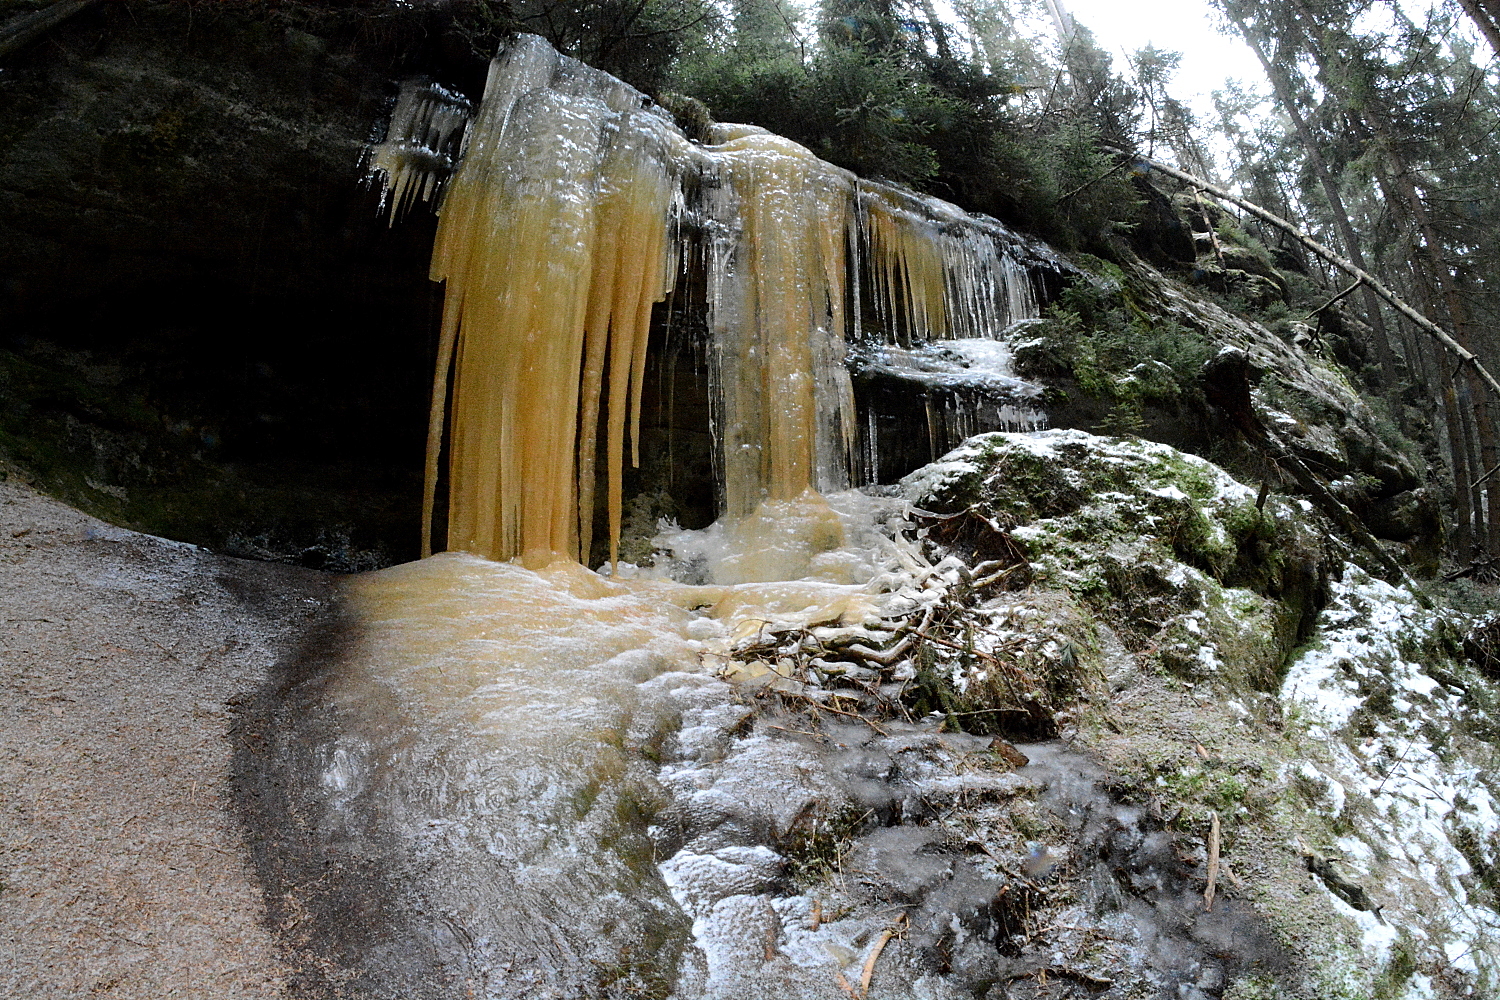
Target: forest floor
{"x":122,"y":660}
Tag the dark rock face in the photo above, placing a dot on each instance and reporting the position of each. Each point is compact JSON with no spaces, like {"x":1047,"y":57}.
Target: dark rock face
{"x":1482,"y":646}
{"x":205,"y":330}
{"x":1160,"y":235}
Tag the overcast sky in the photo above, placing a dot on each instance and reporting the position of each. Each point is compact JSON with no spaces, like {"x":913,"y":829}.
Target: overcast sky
{"x":1185,"y":26}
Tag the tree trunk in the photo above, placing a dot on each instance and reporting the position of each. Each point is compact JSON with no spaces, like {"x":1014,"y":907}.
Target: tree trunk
{"x":1473,"y":525}
{"x":1381,"y":288}
{"x":1486,"y":21}
{"x":939,"y":31}
{"x":1284,"y":94}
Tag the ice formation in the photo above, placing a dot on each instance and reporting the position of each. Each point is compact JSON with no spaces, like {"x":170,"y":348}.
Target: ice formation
{"x":422,"y":144}
{"x":576,"y":209}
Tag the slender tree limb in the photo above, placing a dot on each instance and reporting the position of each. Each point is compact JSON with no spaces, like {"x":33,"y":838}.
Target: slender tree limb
{"x":1358,"y":282}
{"x":1090,"y":183}
{"x":27,"y":27}
{"x":1375,"y":284}
{"x":1213,"y":861}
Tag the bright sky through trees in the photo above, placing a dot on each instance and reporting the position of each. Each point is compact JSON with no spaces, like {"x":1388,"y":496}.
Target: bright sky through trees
{"x":1185,"y":26}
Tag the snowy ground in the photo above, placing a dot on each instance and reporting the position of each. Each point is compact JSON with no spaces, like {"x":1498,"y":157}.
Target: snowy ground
{"x":1411,"y":792}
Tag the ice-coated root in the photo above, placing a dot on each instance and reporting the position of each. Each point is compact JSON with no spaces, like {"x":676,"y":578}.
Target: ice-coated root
{"x":573,"y":211}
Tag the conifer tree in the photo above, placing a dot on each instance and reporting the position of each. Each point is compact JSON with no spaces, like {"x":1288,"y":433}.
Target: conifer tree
{"x":1404,"y":126}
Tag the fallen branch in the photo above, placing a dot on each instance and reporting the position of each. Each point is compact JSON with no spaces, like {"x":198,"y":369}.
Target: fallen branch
{"x":1476,"y":566}
{"x":1090,"y":183}
{"x":1336,"y":299}
{"x":1375,"y":285}
{"x":885,"y":939}
{"x":1213,"y":861}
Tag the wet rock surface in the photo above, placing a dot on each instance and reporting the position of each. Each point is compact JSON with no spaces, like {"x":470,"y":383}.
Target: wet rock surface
{"x":208,"y":332}
{"x":816,"y":856}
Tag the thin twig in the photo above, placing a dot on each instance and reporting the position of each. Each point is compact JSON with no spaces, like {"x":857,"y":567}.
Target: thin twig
{"x":829,"y":708}
{"x":1009,"y":668}
{"x":1341,"y":295}
{"x":1394,"y":768}
{"x":1090,"y":183}
{"x":885,"y":939}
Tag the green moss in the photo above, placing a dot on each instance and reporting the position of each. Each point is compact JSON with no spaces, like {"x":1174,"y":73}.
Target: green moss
{"x":1398,"y":970}
{"x":1098,"y":333}
{"x":1159,"y":545}
{"x":817,"y":844}
{"x":1174,"y":469}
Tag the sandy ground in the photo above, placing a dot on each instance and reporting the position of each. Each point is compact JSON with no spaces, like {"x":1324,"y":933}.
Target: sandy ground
{"x":122,"y":659}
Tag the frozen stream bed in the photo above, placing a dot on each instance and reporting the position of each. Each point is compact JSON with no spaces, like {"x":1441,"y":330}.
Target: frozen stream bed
{"x":528,"y":783}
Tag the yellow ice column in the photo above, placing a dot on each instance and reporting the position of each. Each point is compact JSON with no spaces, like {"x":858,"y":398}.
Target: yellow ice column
{"x":934,"y":272}
{"x":777,"y":296}
{"x":552,"y":242}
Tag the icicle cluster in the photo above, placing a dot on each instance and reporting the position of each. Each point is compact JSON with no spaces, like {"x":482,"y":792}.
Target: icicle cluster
{"x":423,"y":144}
{"x":566,"y":222}
{"x":936,"y":273}
{"x":553,"y":243}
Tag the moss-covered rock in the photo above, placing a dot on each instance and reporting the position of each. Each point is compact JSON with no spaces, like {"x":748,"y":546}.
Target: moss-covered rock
{"x":1122,"y":350}
{"x":1178,"y":557}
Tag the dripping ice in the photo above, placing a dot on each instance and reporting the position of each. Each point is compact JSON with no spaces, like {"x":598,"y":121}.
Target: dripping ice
{"x":577,"y":206}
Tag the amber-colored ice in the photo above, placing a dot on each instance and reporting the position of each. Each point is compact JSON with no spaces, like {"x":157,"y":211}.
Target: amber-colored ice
{"x":491,"y":719}
{"x":485,"y":642}
{"x":787,"y":407}
{"x":935,"y":273}
{"x":562,"y":228}
{"x":553,"y":245}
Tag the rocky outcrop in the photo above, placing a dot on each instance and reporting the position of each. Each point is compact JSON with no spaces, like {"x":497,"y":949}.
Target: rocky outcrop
{"x":1180,"y":560}
{"x":1134,"y":350}
{"x":207,"y":331}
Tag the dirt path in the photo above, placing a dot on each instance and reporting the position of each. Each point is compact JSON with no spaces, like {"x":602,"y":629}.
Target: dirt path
{"x":122,"y":658}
